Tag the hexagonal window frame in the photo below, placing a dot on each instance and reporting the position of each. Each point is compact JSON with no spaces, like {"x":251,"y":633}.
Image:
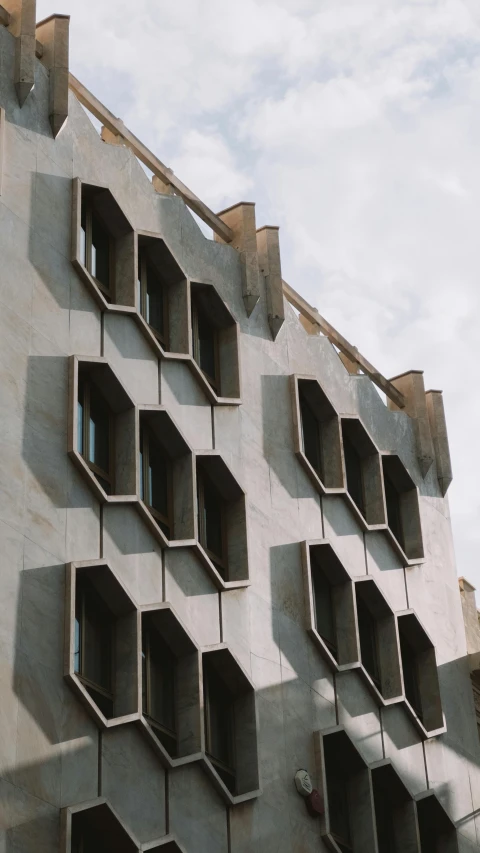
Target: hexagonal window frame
{"x":188,"y":685}
{"x":206,"y":302}
{"x":97,"y":811}
{"x":389,"y":691}
{"x":122,"y":252}
{"x":118,"y":600}
{"x":218,"y":473}
{"x":122,"y":408}
{"x":180,"y":461}
{"x":390,"y":794}
{"x":310,"y":400}
{"x":429,"y":803}
{"x":373,"y":515}
{"x":430,"y":722}
{"x":245,"y":727}
{"x":402,"y":511}
{"x":339,"y":764}
{"x":322,"y":566}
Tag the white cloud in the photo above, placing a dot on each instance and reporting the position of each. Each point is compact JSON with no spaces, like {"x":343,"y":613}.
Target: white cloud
{"x":353,"y":125}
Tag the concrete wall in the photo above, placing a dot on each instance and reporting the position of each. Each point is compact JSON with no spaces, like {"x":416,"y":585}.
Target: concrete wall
{"x":51,"y":753}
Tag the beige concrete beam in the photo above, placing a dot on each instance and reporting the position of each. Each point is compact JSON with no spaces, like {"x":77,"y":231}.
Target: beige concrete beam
{"x":4,"y":17}
{"x":152,"y":162}
{"x":342,"y":344}
{"x":411,"y":385}
{"x":110,"y":137}
{"x":2,"y":145}
{"x":22,"y":26}
{"x":268,"y":247}
{"x":53,"y":34}
{"x":161,"y":187}
{"x":438,"y":428}
{"x":240,"y":218}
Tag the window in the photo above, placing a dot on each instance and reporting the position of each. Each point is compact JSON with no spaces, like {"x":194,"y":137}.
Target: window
{"x":95,"y":433}
{"x":384,"y":821}
{"x":219,"y":728}
{"x":96,"y":248}
{"x":212,"y":522}
{"x":324,"y":611}
{"x":94,"y":641}
{"x":205,"y":345}
{"x":156,"y":480}
{"x":338,"y":808}
{"x":367,"y":629}
{"x":410,"y":674}
{"x":353,"y":471}
{"x":392,"y":499}
{"x":152,"y":298}
{"x":312,"y":438}
{"x":159,"y":686}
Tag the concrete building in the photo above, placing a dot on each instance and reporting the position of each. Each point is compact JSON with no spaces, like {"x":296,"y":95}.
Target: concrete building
{"x":224,"y":559}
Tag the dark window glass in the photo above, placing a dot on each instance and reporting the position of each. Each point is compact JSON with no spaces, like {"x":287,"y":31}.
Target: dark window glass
{"x":94,"y":627}
{"x":100,"y":253}
{"x":99,"y":431}
{"x":392,"y":498}
{"x":205,"y":343}
{"x":384,"y":821}
{"x":155,"y":478}
{"x":410,"y":674}
{"x":159,"y":667}
{"x":324,"y":613}
{"x":219,"y":725}
{"x":353,"y":469}
{"x":213,"y":519}
{"x":368,"y":641}
{"x":83,"y":237}
{"x":311,"y":437}
{"x":155,"y":302}
{"x":80,"y":419}
{"x":338,"y":809}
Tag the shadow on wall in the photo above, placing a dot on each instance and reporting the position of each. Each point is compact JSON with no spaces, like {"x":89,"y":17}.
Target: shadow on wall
{"x":278,"y":437}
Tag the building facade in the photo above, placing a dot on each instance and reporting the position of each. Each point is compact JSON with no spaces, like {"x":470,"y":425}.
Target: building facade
{"x":224,"y":559}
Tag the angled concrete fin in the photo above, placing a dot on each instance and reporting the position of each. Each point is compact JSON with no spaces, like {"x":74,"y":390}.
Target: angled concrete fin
{"x":22,"y":26}
{"x":53,"y":34}
{"x":438,"y":427}
{"x":241,"y":219}
{"x":411,"y":385}
{"x":268,"y":246}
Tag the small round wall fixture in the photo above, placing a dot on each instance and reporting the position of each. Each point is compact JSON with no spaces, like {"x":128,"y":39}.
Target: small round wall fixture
{"x":303,"y":783}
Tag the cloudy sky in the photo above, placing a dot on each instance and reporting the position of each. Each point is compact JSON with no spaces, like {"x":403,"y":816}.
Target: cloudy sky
{"x":355,"y":126}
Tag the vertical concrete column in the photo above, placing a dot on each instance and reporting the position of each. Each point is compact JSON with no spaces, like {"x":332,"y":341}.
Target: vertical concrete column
{"x":411,"y":385}
{"x":53,"y":33}
{"x":2,"y":145}
{"x":438,"y":429}
{"x":268,"y":247}
{"x":241,"y":219}
{"x":470,"y":616}
{"x":22,"y":25}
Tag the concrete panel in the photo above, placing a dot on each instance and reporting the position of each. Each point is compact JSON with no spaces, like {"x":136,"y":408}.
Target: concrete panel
{"x":187,"y":404}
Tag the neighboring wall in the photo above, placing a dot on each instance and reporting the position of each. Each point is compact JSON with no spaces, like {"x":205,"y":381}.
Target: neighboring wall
{"x":51,"y":754}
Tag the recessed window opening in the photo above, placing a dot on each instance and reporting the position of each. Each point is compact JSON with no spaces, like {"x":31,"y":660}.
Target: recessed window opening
{"x":219,"y":725}
{"x":384,"y":820}
{"x":312,"y":437}
{"x":95,"y":433}
{"x":394,"y":517}
{"x":410,"y":674}
{"x":205,"y":344}
{"x":159,"y":666}
{"x":212,"y":522}
{"x":96,"y":248}
{"x":156,"y":480}
{"x":152,"y":298}
{"x":324,"y":610}
{"x":367,"y":629}
{"x":94,"y":644}
{"x":338,"y":800}
{"x":353,"y":471}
